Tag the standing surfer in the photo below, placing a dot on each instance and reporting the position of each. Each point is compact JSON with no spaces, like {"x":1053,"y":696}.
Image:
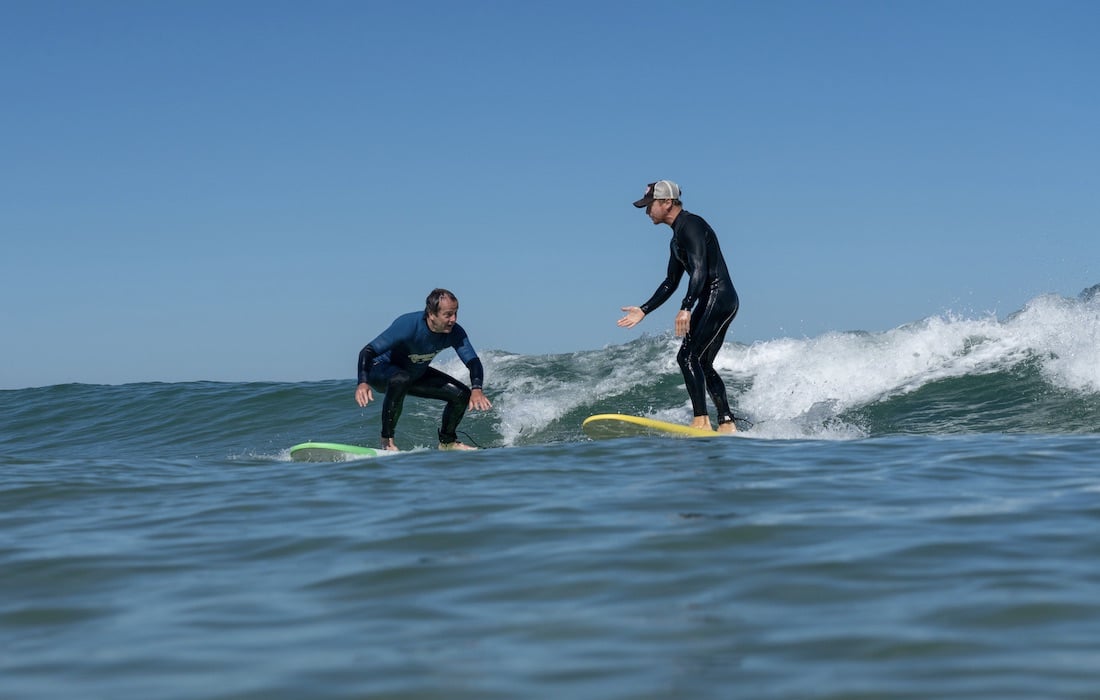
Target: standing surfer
{"x":705,"y":312}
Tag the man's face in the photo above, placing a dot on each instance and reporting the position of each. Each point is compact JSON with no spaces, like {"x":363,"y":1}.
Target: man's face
{"x":658,"y":210}
{"x":443,"y":321}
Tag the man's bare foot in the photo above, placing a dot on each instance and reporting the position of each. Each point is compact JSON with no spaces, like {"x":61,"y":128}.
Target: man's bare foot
{"x":701,"y":422}
{"x":455,"y":446}
{"x":388,"y":446}
{"x":727,"y":428}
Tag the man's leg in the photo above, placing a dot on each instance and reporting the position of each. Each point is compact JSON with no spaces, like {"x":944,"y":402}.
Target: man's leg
{"x":396,"y":386}
{"x":692,"y":368}
{"x":715,"y":386}
{"x":437,"y":385}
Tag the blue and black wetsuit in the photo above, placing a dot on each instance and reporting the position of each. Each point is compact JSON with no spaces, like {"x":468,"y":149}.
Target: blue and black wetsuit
{"x":694,"y":249}
{"x":398,"y":363}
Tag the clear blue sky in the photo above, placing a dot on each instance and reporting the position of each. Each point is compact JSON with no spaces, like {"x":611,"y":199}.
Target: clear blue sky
{"x":253,"y":190}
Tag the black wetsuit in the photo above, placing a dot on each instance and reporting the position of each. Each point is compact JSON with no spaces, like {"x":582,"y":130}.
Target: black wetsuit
{"x":710,"y":291}
{"x":397,"y":363}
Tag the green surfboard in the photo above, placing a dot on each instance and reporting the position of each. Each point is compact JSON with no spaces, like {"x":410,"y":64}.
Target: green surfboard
{"x":330,"y":452}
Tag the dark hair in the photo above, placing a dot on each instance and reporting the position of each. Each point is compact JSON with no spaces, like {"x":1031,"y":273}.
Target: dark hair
{"x":431,"y":304}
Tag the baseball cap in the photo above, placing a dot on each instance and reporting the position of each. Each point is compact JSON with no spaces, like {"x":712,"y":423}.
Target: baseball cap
{"x":662,"y":189}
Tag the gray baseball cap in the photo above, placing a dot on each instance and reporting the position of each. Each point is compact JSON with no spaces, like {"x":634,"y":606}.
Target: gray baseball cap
{"x":662,"y":189}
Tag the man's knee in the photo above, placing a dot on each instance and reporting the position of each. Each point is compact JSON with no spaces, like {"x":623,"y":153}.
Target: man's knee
{"x":462,"y":394}
{"x":685,"y":357}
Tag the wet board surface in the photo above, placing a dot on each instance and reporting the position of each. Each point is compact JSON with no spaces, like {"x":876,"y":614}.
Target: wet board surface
{"x":617,"y":425}
{"x":330,"y":452}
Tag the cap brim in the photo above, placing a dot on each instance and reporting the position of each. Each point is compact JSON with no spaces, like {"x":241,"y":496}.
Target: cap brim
{"x":644,"y":202}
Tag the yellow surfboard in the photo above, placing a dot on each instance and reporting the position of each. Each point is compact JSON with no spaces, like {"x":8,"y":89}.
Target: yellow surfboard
{"x":617,"y":425}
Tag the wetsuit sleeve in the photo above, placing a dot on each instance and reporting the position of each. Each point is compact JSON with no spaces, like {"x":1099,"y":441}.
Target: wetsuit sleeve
{"x":477,"y":373}
{"x":465,"y":349}
{"x":366,"y":359}
{"x":672,"y":281}
{"x":693,"y":242}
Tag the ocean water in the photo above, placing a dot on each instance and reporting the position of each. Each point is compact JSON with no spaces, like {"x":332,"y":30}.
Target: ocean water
{"x":912,"y":514}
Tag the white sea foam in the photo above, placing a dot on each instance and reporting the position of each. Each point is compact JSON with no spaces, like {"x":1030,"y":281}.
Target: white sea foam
{"x":1066,"y":335}
{"x":802,"y":382}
